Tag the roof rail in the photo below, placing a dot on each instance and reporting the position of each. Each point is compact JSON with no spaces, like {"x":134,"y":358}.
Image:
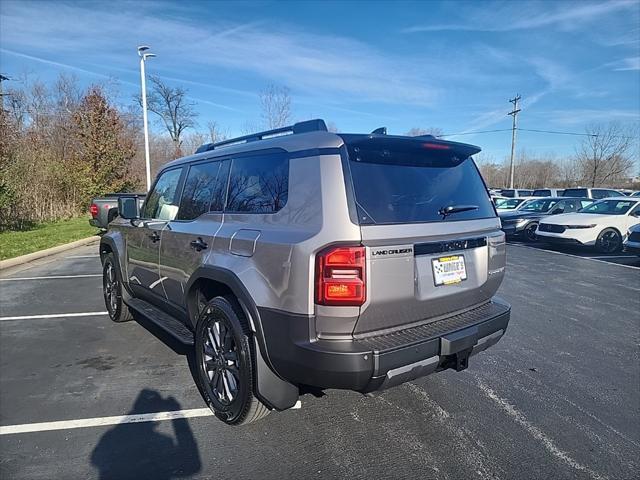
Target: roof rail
{"x":316,"y":125}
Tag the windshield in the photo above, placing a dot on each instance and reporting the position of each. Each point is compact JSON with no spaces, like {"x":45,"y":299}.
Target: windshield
{"x":609,"y":207}
{"x":403,"y":184}
{"x":541,"y":205}
{"x":508,"y":203}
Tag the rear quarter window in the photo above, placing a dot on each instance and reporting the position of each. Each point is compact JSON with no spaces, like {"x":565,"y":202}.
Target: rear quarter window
{"x":258,"y":184}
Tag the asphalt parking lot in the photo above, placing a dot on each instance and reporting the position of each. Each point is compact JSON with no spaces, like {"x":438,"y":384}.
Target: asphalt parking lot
{"x":620,"y":258}
{"x":557,"y":398}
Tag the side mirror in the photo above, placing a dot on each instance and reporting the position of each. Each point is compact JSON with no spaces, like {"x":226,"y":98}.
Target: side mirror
{"x":129,"y":208}
{"x":557,"y":211}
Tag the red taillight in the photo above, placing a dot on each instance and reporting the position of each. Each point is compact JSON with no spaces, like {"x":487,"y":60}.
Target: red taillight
{"x":436,"y":146}
{"x":341,"y":276}
{"x":93,"y":209}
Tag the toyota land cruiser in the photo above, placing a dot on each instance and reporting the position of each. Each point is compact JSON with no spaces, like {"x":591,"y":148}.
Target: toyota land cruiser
{"x":298,"y":260}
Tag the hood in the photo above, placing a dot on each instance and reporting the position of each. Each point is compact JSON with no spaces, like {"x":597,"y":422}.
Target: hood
{"x":518,"y":215}
{"x":576,"y":219}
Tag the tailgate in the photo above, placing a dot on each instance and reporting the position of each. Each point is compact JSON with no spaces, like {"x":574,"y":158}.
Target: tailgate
{"x":417,"y":277}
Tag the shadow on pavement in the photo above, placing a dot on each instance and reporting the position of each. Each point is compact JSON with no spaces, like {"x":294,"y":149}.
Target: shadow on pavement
{"x":138,"y":450}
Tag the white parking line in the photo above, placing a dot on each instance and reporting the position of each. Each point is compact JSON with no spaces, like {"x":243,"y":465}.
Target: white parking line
{"x":55,"y":315}
{"x":116,"y":420}
{"x":103,"y":421}
{"x":610,"y":256}
{"x":50,"y":277}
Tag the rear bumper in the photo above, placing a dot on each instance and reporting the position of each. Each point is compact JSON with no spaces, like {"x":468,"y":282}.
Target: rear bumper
{"x":375,"y":362}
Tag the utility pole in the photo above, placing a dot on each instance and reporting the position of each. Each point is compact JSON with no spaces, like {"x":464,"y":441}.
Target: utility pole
{"x":2,"y":79}
{"x":514,"y":114}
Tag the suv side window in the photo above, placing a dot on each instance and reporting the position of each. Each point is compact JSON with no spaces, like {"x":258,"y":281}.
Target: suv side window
{"x":162,"y":202}
{"x":220,"y":188}
{"x":198,"y":191}
{"x":597,"y":193}
{"x":258,"y":184}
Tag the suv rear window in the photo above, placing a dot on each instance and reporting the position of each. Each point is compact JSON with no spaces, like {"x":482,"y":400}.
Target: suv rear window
{"x":541,"y":193}
{"x":575,"y":192}
{"x":406,"y":182}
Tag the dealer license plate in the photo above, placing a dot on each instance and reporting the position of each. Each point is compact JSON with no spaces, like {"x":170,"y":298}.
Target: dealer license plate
{"x":449,"y":270}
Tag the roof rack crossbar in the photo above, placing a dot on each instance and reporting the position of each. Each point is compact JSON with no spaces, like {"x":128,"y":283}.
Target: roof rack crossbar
{"x":316,"y":125}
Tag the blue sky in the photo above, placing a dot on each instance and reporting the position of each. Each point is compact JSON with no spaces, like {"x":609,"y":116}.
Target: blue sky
{"x":361,"y":65}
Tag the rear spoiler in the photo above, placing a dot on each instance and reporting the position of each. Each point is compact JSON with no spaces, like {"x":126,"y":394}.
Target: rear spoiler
{"x":418,"y":151}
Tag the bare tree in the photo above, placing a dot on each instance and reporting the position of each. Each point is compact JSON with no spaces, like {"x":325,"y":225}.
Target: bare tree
{"x":174,"y":109}
{"x":418,"y":132}
{"x":275,"y":106}
{"x":216,"y":133}
{"x":603,"y":156}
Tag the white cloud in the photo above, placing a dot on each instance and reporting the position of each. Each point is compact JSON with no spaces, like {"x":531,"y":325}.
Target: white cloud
{"x":580,"y":116}
{"x":304,"y":61}
{"x":630,"y":63}
{"x":525,"y":16}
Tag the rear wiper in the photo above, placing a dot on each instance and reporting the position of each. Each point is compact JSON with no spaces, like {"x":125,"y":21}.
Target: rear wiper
{"x":446,"y":211}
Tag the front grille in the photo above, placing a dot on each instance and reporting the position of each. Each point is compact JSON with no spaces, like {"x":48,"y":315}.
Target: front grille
{"x":634,"y":237}
{"x":434,"y":329}
{"x":449,"y":246}
{"x":549,"y":227}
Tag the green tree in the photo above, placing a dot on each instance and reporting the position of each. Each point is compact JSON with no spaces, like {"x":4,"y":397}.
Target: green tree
{"x":105,"y":149}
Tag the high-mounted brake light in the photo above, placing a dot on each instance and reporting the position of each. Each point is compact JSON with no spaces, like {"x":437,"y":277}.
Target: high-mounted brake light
{"x":93,"y":209}
{"x":436,"y":146}
{"x":341,"y":276}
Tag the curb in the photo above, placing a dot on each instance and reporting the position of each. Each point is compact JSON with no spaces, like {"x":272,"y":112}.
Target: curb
{"x":30,"y":257}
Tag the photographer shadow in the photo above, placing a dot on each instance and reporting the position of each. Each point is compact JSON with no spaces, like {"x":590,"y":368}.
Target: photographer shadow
{"x":139,"y":450}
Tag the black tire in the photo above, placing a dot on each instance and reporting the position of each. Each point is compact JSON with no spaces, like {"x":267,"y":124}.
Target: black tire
{"x":112,"y":291}
{"x":223,"y":364}
{"x":609,"y":241}
{"x":530,"y":232}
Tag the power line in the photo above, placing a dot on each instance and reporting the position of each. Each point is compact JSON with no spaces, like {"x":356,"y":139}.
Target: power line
{"x":473,"y":133}
{"x":528,"y":130}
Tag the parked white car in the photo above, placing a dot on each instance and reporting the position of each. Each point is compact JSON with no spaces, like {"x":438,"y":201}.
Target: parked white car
{"x":603,"y":224}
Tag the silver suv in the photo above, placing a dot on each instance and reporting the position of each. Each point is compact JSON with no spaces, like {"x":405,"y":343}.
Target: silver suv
{"x":297,"y":260}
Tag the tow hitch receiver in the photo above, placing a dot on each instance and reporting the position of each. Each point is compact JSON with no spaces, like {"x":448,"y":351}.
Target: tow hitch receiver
{"x":462,"y":359}
{"x":456,"y":348}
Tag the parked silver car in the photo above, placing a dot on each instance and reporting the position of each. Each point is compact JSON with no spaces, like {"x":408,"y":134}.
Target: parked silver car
{"x":298,"y":259}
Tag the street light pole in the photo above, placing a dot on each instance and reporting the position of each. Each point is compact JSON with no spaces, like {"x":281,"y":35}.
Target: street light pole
{"x":143,"y":57}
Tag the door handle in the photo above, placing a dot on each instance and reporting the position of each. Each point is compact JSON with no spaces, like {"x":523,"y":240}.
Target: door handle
{"x":199,"y":244}
{"x":154,"y":237}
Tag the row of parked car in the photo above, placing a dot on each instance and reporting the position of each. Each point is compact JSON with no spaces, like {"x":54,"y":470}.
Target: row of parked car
{"x":609,"y":224}
{"x":596,"y":193}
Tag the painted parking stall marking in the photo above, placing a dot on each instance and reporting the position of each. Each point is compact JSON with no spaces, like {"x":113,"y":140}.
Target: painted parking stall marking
{"x":50,"y":277}
{"x":54,"y":315}
{"x":114,"y":420}
{"x":104,"y":421}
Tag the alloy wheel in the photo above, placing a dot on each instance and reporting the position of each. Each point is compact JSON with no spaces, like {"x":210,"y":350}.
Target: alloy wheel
{"x":610,"y":241}
{"x":111,"y":288}
{"x":530,"y":232}
{"x":220,"y":362}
